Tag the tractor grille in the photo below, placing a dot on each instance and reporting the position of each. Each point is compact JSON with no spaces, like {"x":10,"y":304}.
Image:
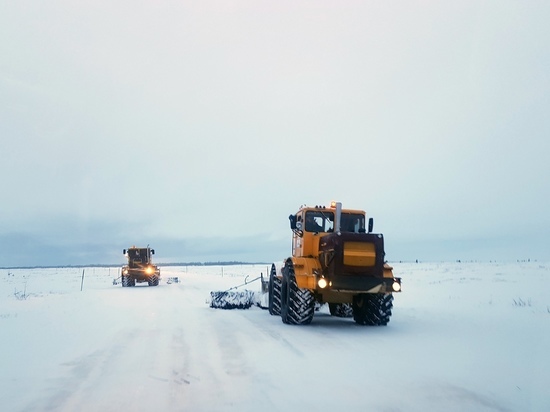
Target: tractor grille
{"x":352,"y":254}
{"x":359,"y":254}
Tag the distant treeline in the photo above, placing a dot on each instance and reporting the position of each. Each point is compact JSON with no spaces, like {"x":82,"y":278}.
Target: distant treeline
{"x":230,"y":263}
{"x":221,"y":263}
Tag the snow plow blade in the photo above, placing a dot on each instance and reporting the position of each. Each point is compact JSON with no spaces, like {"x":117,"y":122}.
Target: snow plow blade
{"x":231,"y":299}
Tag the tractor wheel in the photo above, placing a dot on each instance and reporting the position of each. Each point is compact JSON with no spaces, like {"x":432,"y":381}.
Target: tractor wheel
{"x":341,"y":310}
{"x":153,"y":281}
{"x":297,"y":305}
{"x":274,"y":290}
{"x":131,"y":282}
{"x":124,"y":281}
{"x":373,"y":309}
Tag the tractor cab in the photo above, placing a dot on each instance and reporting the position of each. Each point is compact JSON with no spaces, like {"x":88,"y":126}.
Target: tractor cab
{"x":310,"y":224}
{"x":138,"y":257}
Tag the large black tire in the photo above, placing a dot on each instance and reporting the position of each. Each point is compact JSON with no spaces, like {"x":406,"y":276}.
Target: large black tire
{"x":373,"y":309}
{"x":297,"y":305}
{"x":153,"y":281}
{"x":341,"y":310}
{"x":124,"y":281}
{"x":274,"y":290}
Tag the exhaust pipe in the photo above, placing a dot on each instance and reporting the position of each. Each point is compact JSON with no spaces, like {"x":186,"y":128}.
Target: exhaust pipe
{"x":338,"y":217}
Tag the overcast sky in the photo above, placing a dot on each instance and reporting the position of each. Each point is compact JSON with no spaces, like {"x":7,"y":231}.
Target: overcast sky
{"x":199,"y":126}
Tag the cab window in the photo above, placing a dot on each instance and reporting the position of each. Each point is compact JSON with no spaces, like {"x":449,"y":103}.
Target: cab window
{"x":319,"y":221}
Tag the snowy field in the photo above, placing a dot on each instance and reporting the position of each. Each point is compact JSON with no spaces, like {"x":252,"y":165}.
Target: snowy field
{"x":463,"y":337}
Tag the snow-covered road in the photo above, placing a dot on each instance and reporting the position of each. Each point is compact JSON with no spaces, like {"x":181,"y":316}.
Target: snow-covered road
{"x":463,"y":337}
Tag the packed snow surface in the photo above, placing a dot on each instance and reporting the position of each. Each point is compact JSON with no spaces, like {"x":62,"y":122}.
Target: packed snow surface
{"x":463,"y":337}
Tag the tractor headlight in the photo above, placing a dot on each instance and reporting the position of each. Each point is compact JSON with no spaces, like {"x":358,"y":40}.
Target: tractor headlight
{"x":322,"y":282}
{"x":149,"y":270}
{"x":125,"y":272}
{"x":396,"y":286}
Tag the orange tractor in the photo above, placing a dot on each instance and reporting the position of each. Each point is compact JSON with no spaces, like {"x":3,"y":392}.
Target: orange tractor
{"x":336,"y":259}
{"x":140,"y":267}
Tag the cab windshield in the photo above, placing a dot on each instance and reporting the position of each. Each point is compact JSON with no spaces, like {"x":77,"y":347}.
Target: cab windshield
{"x":352,"y":222}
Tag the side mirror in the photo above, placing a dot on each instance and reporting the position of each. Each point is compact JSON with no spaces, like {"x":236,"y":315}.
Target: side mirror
{"x":123,"y":251}
{"x":371,"y":224}
{"x":152,"y":251}
{"x":292,"y":219}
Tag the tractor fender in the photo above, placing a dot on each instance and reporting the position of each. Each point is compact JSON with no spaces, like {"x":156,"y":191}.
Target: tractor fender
{"x":306,"y":271}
